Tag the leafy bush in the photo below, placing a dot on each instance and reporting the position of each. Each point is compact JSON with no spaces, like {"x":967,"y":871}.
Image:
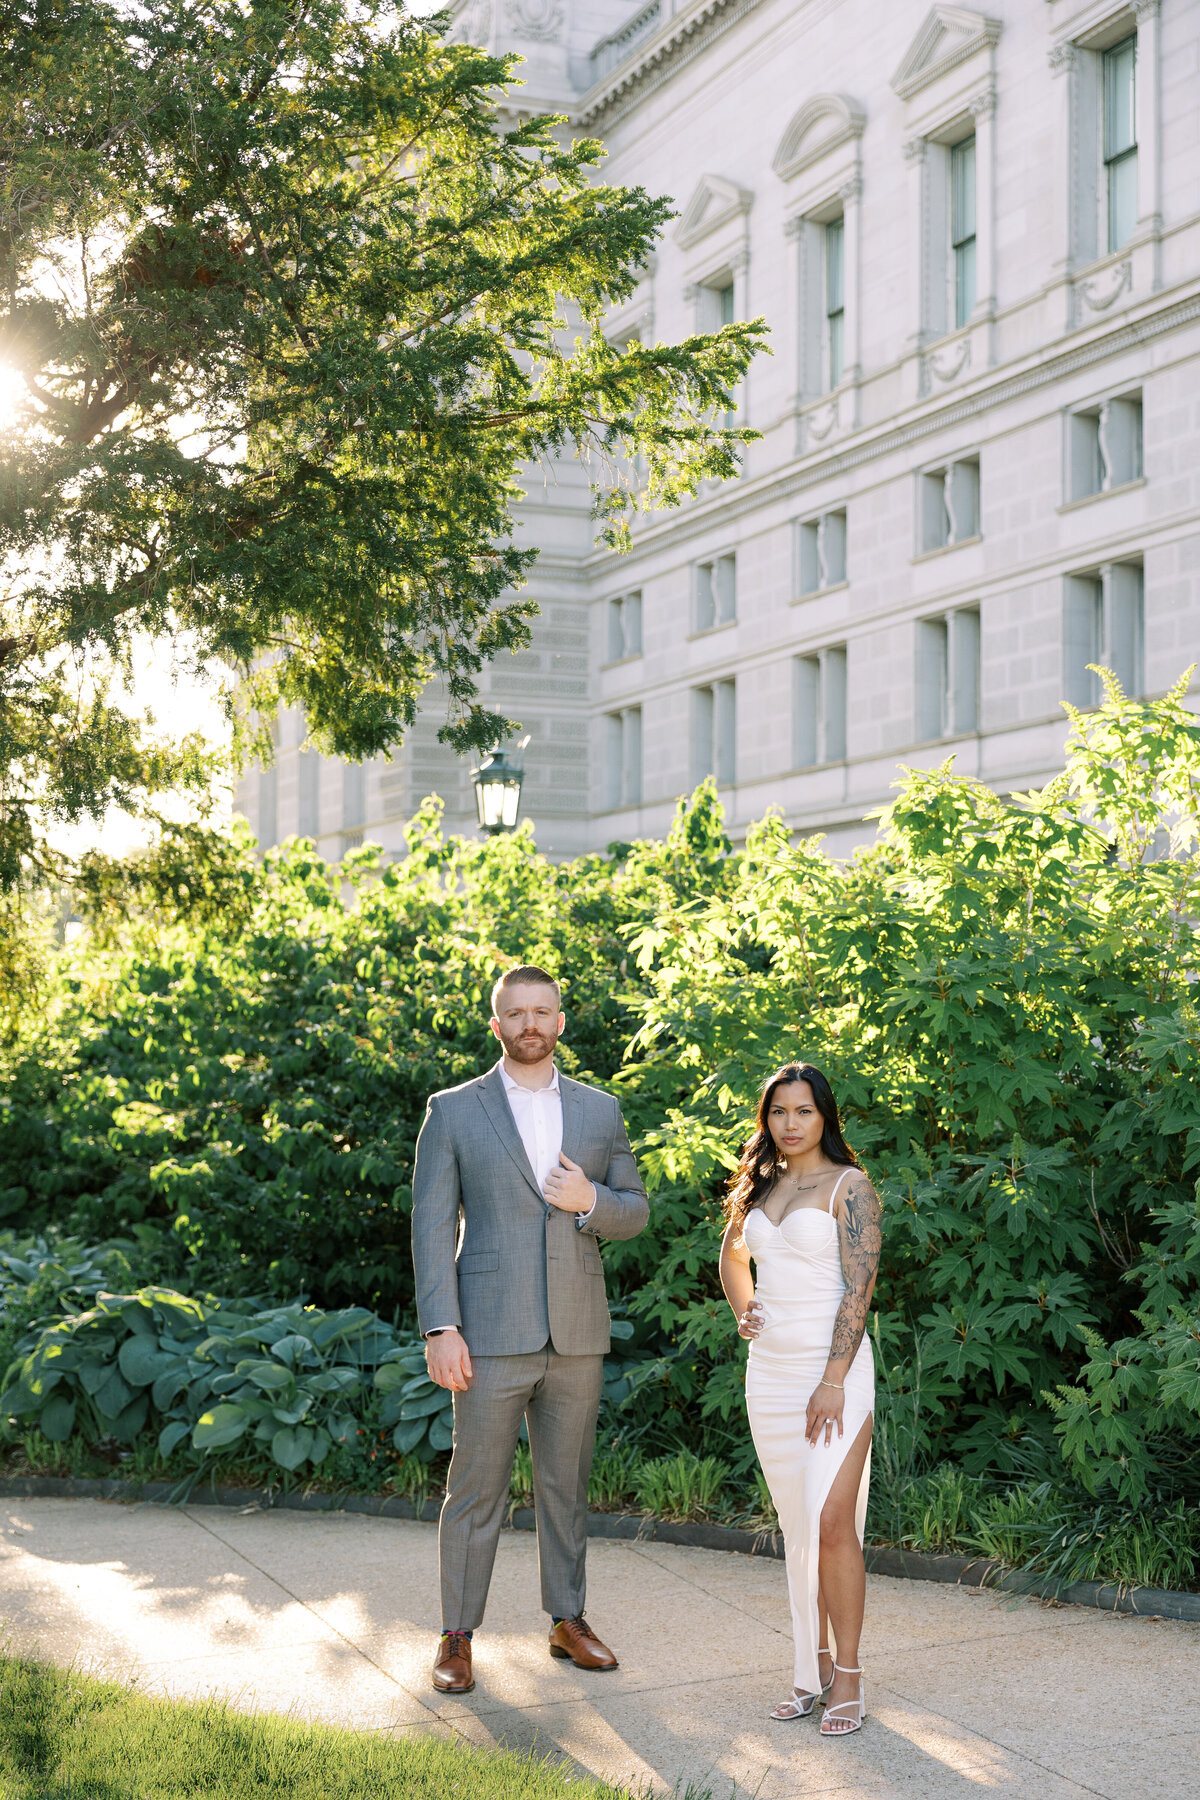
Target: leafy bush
{"x":242,"y":1090}
{"x":1003,"y":994}
{"x":291,"y":1382}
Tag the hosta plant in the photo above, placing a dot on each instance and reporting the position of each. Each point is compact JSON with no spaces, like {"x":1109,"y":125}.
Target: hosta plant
{"x":289,"y":1382}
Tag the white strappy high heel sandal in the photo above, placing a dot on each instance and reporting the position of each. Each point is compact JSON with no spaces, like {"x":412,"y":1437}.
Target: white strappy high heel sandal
{"x":843,"y":1727}
{"x":795,"y":1708}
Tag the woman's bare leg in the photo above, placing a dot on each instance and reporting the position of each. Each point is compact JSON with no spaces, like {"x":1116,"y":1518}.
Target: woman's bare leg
{"x":824,"y":1660}
{"x":843,"y":1578}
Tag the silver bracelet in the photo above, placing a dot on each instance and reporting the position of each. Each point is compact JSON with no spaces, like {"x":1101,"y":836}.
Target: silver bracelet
{"x":839,"y":1385}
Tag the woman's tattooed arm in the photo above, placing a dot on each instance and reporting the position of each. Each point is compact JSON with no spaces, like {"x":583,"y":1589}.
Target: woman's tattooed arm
{"x":859,"y":1236}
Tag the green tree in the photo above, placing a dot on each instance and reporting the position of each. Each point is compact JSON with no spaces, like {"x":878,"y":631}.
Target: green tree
{"x":293,"y":307}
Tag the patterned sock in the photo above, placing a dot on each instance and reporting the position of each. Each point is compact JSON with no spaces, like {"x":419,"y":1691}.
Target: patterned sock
{"x":467,"y":1634}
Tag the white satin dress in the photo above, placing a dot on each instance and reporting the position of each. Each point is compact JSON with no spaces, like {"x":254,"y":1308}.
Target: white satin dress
{"x":799,"y":1285}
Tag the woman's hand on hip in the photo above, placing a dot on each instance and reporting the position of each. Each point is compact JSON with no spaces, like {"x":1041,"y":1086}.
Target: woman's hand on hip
{"x":751,"y":1321}
{"x":825,"y":1408}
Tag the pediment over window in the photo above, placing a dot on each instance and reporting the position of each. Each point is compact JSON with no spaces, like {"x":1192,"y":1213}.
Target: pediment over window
{"x":714,"y":202}
{"x":822,"y":123}
{"x":948,"y":36}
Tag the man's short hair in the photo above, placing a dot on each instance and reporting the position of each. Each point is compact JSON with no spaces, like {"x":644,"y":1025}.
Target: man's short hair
{"x":526,"y":972}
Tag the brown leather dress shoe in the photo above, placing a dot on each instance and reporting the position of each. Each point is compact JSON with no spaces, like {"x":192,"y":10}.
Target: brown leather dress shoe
{"x":576,"y":1639}
{"x":452,"y":1666}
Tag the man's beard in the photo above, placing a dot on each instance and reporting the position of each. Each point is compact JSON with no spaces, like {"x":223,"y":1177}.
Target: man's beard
{"x":529,"y":1048}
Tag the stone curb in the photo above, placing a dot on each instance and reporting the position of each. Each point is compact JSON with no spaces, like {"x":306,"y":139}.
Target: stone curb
{"x":910,"y":1565}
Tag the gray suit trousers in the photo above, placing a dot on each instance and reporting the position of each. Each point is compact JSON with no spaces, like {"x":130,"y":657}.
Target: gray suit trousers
{"x":559,"y":1397}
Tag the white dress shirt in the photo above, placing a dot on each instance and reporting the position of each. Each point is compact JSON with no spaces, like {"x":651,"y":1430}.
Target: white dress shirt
{"x":537,"y":1115}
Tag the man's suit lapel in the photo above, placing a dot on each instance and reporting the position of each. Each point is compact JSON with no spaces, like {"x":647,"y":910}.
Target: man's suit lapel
{"x":572,"y":1112}
{"x":495,"y":1103}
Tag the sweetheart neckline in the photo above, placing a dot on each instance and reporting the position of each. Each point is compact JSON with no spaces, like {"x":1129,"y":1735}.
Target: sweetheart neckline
{"x":819,"y":1210}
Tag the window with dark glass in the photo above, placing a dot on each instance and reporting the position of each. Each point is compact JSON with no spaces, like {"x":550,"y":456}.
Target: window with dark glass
{"x":1120,"y":140}
{"x":835,"y":298}
{"x":962,"y":227}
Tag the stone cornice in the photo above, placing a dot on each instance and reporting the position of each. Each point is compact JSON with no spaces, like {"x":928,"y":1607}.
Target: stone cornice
{"x":659,"y":57}
{"x":749,"y":497}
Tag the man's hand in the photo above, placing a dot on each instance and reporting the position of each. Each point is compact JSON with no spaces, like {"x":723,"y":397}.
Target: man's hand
{"x":449,"y":1361}
{"x":569,"y":1189}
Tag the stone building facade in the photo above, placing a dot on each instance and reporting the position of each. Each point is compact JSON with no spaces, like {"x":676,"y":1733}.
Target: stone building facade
{"x":976,"y":239}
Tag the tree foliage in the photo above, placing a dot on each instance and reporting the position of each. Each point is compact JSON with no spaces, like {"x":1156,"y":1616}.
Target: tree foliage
{"x":292,"y":305}
{"x":1002,"y":991}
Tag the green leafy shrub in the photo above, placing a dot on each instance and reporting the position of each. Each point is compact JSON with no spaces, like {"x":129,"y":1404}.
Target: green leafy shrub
{"x":1002,"y":991}
{"x":290,"y":1383}
{"x":244,"y":1089}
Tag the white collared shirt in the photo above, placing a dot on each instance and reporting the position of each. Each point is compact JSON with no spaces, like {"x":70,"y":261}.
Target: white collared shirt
{"x":537,"y":1115}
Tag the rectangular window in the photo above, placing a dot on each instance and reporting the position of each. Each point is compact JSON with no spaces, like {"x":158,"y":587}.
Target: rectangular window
{"x":616,"y":630}
{"x":1122,"y":639}
{"x":819,"y":707}
{"x":631,"y":761}
{"x":948,"y":674}
{"x":806,"y":711}
{"x":613,"y":758}
{"x":703,"y":760}
{"x":1120,"y":140}
{"x":268,"y":821}
{"x":308,"y":782}
{"x":623,"y":757}
{"x":835,"y":300}
{"x":354,"y":796}
{"x":821,"y":552}
{"x":725,"y":720}
{"x":631,"y":617}
{"x":933,"y":666}
{"x":964,"y":669}
{"x":1085,"y":466}
{"x":716,"y":592}
{"x":624,"y":627}
{"x":1104,"y":446}
{"x":949,"y":505}
{"x":962,"y":227}
{"x":714,"y":732}
{"x":1083,"y":638}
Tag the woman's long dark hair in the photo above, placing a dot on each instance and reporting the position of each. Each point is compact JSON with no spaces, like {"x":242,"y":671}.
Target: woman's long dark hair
{"x":758,"y":1170}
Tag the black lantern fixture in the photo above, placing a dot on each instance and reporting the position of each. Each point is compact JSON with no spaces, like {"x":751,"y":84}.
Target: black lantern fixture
{"x":498,"y":788}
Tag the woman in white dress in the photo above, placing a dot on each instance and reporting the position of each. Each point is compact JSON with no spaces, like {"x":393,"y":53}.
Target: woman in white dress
{"x":800,"y":1206}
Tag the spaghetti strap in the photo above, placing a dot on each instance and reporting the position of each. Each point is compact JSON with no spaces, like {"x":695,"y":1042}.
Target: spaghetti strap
{"x":837,"y":1184}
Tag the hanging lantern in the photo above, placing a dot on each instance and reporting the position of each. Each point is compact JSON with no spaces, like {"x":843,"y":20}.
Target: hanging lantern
{"x":498,"y":789}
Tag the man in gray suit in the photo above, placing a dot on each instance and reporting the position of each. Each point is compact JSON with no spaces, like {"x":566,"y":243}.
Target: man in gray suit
{"x":517,"y":1175}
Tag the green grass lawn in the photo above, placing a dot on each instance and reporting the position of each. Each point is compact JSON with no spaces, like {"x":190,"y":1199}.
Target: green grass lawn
{"x":65,"y":1737}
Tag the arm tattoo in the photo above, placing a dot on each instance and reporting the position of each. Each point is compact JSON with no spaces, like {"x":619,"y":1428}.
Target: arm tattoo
{"x":859,"y":1234}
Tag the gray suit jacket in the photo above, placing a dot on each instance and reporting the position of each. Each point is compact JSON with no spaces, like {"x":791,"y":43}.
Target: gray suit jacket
{"x":491,"y":1255}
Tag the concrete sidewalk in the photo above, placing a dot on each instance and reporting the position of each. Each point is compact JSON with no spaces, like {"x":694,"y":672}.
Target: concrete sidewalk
{"x":334,"y":1617}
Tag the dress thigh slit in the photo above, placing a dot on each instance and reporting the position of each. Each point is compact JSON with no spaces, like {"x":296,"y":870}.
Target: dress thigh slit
{"x":800,"y":1476}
